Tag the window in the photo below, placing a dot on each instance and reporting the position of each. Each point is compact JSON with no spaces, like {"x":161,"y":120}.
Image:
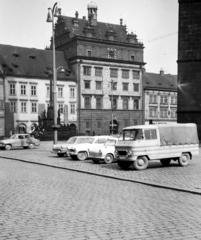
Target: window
{"x":87,"y":124}
{"x":98,"y":85}
{"x":173,"y":113}
{"x":23,"y":89}
{"x":60,"y":92}
{"x":153,"y":112}
{"x":111,"y":53}
{"x":125,"y":103}
{"x":99,"y":102}
{"x":72,"y":92}
{"x":152,"y":98}
{"x":99,"y":124}
{"x":136,"y":87}
{"x":48,"y":91}
{"x":23,"y":107}
{"x":173,"y":100}
{"x":150,"y":134}
{"x":87,"y":84}
{"x":87,"y":102}
{"x":12,"y":89}
{"x":163,"y":112}
{"x":114,"y":103}
{"x":33,"y":107}
{"x":136,"y":74}
{"x":61,"y":108}
{"x":89,"y":53}
{"x":87,"y":70}
{"x":98,"y":71}
{"x":164,"y":99}
{"x":33,"y":90}
{"x":113,"y":86}
{"x":132,"y":58}
{"x":125,"y":73}
{"x":114,"y":72}
{"x":13,"y":107}
{"x":136,"y":104}
{"x":125,"y":86}
{"x":72,"y":108}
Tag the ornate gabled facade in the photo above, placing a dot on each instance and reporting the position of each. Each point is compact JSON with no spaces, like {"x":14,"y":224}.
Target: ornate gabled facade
{"x":28,"y":80}
{"x":160,"y":97}
{"x":108,"y":64}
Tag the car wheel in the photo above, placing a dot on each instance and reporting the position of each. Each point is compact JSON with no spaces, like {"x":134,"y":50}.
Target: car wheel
{"x":165,"y":162}
{"x":8,"y":147}
{"x":82,"y":156}
{"x":141,"y":163}
{"x":124,"y":165}
{"x":31,"y":145}
{"x":109,"y":158}
{"x":184,"y":159}
{"x":60,"y":154}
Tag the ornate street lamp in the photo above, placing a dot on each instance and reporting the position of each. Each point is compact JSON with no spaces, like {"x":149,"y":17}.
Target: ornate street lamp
{"x":52,"y":13}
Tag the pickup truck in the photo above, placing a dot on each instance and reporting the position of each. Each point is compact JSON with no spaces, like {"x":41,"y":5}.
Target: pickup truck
{"x":163,"y":142}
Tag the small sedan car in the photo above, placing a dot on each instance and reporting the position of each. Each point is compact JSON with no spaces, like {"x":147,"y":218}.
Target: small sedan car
{"x":103,"y":152}
{"x":19,"y":140}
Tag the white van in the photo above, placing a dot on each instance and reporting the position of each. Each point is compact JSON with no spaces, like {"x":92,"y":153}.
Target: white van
{"x":164,"y":142}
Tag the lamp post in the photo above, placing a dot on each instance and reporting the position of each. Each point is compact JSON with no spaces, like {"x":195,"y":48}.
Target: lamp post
{"x":52,"y":13}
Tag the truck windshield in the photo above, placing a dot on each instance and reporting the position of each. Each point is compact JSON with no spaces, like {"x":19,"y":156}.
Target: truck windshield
{"x":132,"y":134}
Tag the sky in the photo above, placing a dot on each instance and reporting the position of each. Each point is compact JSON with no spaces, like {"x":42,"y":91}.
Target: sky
{"x":23,"y":23}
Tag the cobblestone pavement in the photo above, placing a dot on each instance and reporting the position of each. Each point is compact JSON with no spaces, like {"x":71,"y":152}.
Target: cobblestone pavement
{"x":175,"y":177}
{"x":43,"y":203}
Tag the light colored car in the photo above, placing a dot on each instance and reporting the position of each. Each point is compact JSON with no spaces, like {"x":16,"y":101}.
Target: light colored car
{"x":19,"y":140}
{"x":103,"y":152}
{"x":81,"y":151}
{"x":61,"y":149}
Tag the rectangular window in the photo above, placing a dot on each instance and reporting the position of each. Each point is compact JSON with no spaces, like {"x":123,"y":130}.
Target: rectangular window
{"x":173,"y":113}
{"x":23,"y":89}
{"x":99,"y":102}
{"x":33,"y":90}
{"x":72,"y":92}
{"x":153,"y":112}
{"x":173,"y":100}
{"x":136,"y":104}
{"x":87,"y":84}
{"x":164,"y":99}
{"x":163,"y":112}
{"x":114,"y":103}
{"x":98,"y":85}
{"x":136,"y":87}
{"x":33,"y":107}
{"x":150,"y":134}
{"x":125,"y":86}
{"x":23,"y":107}
{"x":113,"y":72}
{"x":89,"y":53}
{"x":72,"y":108}
{"x":98,"y":71}
{"x":87,"y":70}
{"x":125,"y":103}
{"x":12,"y":89}
{"x":136,"y":74}
{"x":61,"y":107}
{"x":113,"y":86}
{"x":87,"y":102}
{"x":13,"y":106}
{"x":133,"y":58}
{"x":125,"y":73}
{"x":87,"y":124}
{"x":99,"y":124}
{"x":60,"y":92}
{"x":152,"y":98}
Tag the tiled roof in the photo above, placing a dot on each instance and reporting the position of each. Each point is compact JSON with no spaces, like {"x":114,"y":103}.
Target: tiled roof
{"x":100,"y":31}
{"x":159,"y":81}
{"x":30,"y":62}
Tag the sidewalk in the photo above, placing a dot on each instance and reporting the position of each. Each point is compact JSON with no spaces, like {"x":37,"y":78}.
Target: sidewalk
{"x":174,"y":177}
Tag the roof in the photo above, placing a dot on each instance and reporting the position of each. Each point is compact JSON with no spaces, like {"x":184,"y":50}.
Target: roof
{"x":159,"y":81}
{"x":31,"y":62}
{"x":151,"y":126}
{"x":100,"y":31}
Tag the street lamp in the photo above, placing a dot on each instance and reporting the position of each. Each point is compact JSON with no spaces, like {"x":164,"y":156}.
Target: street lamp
{"x":52,"y":13}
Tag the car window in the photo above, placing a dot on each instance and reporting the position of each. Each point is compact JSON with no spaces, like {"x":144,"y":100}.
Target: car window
{"x":85,"y":140}
{"x":100,"y":140}
{"x":111,"y":142}
{"x":20,"y":137}
{"x":13,"y":136}
{"x":132,"y":134}
{"x":71,"y":140}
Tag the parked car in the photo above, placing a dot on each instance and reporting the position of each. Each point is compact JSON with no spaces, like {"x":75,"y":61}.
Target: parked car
{"x":19,"y":140}
{"x":81,"y":151}
{"x":103,"y":152}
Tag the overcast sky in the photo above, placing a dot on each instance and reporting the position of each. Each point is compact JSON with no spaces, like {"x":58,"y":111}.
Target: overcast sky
{"x":23,"y":23}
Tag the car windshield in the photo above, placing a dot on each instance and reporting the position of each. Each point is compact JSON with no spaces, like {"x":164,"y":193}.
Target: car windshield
{"x":132,"y":134}
{"x":85,"y":140}
{"x":71,"y":140}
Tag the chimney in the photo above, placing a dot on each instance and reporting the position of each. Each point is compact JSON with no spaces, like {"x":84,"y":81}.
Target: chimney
{"x":121,"y":21}
{"x":76,"y":14}
{"x":162,"y":72}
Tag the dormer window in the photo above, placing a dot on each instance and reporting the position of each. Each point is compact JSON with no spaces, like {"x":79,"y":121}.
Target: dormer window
{"x":112,"y":53}
{"x":89,"y":53}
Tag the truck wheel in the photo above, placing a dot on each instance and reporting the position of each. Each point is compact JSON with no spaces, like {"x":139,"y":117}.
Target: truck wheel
{"x":165,"y":162}
{"x":8,"y":147}
{"x":141,"y":163}
{"x":109,"y":158}
{"x":124,"y":165}
{"x":82,"y":156}
{"x":184,"y":159}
